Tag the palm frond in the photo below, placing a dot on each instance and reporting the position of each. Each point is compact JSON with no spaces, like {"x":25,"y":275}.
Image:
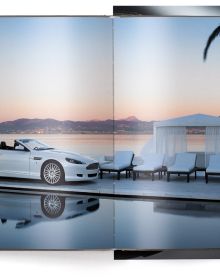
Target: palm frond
{"x":211,"y":38}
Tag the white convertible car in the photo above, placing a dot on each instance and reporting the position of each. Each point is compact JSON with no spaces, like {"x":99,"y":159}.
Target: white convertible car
{"x":31,"y":159}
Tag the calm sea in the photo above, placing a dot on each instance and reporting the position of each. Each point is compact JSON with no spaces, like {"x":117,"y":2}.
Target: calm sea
{"x":97,"y":145}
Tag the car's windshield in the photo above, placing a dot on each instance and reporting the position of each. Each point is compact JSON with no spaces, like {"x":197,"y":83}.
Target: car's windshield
{"x":35,"y":145}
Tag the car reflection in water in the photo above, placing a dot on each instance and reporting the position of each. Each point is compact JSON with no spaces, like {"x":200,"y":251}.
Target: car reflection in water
{"x":29,"y":210}
{"x":188,"y":208}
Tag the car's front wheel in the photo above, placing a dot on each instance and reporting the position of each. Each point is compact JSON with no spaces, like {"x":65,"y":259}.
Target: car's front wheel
{"x":52,"y":173}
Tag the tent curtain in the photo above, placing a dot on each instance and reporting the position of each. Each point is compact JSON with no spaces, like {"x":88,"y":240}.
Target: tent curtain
{"x":212,"y":142}
{"x":169,"y":141}
{"x":149,"y":147}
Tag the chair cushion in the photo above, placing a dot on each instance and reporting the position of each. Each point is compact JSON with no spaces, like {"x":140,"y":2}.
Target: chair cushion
{"x":113,"y":166}
{"x":123,"y":157}
{"x":214,"y":164}
{"x":184,"y":162}
{"x":122,"y":160}
{"x":151,"y":162}
{"x":213,"y":170}
{"x":146,"y":167}
{"x":179,"y":168}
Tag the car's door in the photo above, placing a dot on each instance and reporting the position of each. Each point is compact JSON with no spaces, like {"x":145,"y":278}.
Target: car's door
{"x":14,"y":163}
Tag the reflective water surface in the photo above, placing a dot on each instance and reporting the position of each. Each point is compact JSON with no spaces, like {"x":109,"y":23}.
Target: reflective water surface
{"x":51,"y":221}
{"x":58,"y":221}
{"x":166,"y":224}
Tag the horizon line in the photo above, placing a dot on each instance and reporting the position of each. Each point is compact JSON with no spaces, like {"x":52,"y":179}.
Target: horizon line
{"x":129,"y":118}
{"x":66,"y":120}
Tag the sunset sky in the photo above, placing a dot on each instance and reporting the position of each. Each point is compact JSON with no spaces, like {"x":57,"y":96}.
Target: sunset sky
{"x":159,"y":71}
{"x":62,"y":68}
{"x":56,"y":68}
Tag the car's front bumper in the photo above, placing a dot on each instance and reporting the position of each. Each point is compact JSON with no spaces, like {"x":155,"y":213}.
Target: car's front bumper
{"x":80,"y":173}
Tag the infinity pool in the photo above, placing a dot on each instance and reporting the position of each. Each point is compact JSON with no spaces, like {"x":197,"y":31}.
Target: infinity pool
{"x":52,"y":221}
{"x":55,"y":221}
{"x":167,"y":224}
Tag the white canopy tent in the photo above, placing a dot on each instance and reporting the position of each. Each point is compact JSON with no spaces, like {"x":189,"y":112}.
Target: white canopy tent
{"x":170,"y":136}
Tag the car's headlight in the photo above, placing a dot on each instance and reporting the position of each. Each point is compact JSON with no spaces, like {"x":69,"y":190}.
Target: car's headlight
{"x":74,"y":161}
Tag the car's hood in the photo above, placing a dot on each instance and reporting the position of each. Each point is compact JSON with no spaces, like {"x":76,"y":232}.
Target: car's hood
{"x":70,"y":155}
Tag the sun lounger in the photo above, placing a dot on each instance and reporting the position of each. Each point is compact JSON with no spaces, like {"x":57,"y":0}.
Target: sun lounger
{"x":185,"y":163}
{"x":213,"y":167}
{"x":122,"y":161}
{"x":152,"y":163}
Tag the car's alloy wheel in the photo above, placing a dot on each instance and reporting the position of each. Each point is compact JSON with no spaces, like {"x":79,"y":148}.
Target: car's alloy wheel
{"x":52,"y":205}
{"x":52,"y":173}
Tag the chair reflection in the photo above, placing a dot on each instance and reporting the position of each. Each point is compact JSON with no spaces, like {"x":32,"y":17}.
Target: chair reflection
{"x":188,"y":208}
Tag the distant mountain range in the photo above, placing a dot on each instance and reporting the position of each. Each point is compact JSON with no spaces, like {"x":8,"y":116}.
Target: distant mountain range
{"x":130,"y":125}
{"x":130,"y":119}
{"x":123,"y":126}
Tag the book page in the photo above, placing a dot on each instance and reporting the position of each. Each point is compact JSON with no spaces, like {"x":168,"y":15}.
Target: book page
{"x":167,"y":113}
{"x":56,"y":126}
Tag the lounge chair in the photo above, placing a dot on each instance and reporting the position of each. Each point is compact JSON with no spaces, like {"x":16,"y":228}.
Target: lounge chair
{"x":152,"y":163}
{"x":122,"y":160}
{"x":185,"y":163}
{"x":213,"y":167}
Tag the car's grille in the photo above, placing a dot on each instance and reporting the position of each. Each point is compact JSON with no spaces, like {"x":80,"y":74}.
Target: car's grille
{"x":93,"y":166}
{"x":92,"y":175}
